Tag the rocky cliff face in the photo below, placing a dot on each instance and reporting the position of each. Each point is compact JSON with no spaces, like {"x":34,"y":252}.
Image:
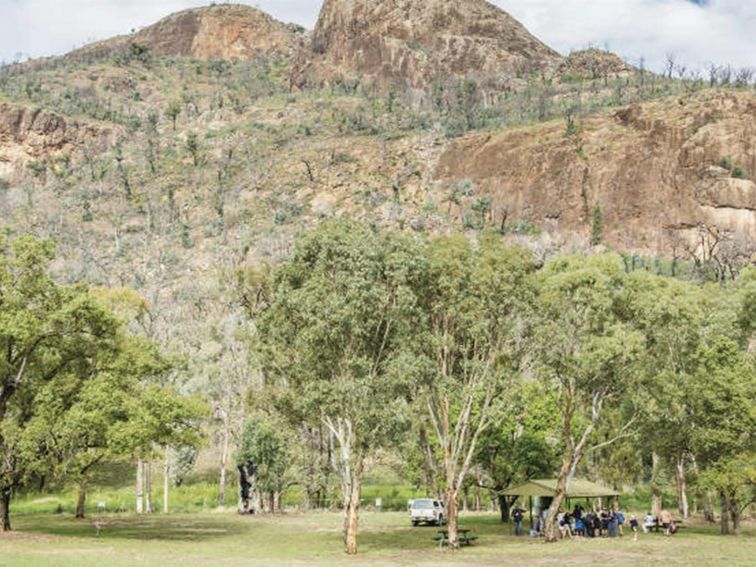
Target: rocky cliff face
{"x":412,"y":43}
{"x":32,"y":133}
{"x":657,"y":171}
{"x":227,"y":31}
{"x":218,"y":32}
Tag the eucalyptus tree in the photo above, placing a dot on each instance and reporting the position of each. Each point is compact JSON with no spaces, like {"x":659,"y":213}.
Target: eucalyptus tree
{"x":722,"y":408}
{"x":233,"y":374}
{"x":84,"y":420}
{"x":150,"y":359}
{"x":339,"y":332}
{"x":721,"y":398}
{"x":265,"y":448}
{"x":670,"y":313}
{"x":474,"y":303}
{"x":46,"y":330}
{"x":519,"y":444}
{"x":584,"y":346}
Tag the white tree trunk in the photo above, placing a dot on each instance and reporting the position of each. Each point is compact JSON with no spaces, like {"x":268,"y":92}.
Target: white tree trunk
{"x":148,"y":487}
{"x":656,"y":496}
{"x":224,"y":461}
{"x":551,"y":530}
{"x":140,"y":487}
{"x":682,"y":495}
{"x":352,"y":513}
{"x":166,"y":483}
{"x":350,"y":466}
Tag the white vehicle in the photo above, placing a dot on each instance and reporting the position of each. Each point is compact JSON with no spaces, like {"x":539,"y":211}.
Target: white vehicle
{"x":427,"y":510}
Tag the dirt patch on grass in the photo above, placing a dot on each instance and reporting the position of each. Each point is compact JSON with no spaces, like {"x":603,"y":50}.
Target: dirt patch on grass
{"x":27,"y":537}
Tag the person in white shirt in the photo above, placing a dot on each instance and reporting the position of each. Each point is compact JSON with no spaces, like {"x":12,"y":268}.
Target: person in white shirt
{"x":649,"y":522}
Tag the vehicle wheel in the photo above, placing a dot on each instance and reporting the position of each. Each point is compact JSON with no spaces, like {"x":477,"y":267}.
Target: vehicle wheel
{"x":415,"y":523}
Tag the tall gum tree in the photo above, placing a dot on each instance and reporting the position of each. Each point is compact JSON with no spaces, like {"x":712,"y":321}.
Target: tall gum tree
{"x":670,"y":315}
{"x":583,"y":346}
{"x":723,"y":440}
{"x":473,"y":302}
{"x":721,"y":397}
{"x":337,"y":332}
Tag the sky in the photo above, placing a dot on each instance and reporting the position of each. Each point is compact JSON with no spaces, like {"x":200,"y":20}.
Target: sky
{"x":698,"y":32}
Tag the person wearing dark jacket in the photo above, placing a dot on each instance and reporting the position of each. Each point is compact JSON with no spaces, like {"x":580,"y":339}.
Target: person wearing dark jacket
{"x":517,"y":515}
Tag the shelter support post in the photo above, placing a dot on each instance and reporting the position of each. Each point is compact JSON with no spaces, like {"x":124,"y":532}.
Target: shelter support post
{"x":530,"y":498}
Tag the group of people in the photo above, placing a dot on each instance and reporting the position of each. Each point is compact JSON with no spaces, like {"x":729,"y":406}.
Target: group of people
{"x":665,"y":520}
{"x":602,"y":523}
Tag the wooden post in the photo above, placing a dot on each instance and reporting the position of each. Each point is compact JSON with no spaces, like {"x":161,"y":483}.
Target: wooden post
{"x":532,"y":526}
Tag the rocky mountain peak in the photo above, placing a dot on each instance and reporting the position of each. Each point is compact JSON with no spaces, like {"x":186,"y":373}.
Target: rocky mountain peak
{"x":227,"y":31}
{"x":411,"y":43}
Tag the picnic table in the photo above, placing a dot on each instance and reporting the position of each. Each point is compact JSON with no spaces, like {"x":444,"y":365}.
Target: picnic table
{"x":463,"y":535}
{"x":657,"y":526}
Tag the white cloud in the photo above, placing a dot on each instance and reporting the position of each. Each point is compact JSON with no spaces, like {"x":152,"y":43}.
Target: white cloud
{"x":719,"y":31}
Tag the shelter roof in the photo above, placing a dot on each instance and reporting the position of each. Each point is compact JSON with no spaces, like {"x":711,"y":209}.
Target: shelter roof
{"x":577,"y":488}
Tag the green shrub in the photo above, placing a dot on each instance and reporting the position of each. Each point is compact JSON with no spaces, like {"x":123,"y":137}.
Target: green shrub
{"x":522,"y":228}
{"x":597,"y":226}
{"x":738,"y":172}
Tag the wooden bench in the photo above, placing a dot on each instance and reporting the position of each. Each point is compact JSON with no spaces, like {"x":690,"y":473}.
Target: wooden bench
{"x":657,"y":527}
{"x":463,"y":536}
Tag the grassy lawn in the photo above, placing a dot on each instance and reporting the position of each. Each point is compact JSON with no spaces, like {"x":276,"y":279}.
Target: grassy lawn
{"x":315,"y":539}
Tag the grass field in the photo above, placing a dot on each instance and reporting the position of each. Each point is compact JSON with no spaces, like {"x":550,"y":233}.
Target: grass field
{"x":315,"y":539}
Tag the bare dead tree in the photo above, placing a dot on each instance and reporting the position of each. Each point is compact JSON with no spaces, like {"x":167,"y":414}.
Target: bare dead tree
{"x":670,"y":63}
{"x":744,"y":76}
{"x":713,"y":70}
{"x":310,"y":174}
{"x":725,"y":75}
{"x":722,"y":252}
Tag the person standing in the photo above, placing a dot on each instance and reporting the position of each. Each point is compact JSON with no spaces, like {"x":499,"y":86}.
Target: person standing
{"x":577,"y":513}
{"x":589,"y":530}
{"x":634,"y":526}
{"x":604,"y":530}
{"x":517,"y":515}
{"x":564,"y":525}
{"x":580,"y":527}
{"x":666,"y":521}
{"x":611,"y":524}
{"x":620,"y":521}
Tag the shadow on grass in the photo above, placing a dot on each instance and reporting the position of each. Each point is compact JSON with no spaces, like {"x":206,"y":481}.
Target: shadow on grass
{"x":155,"y":528}
{"x":489,"y":531}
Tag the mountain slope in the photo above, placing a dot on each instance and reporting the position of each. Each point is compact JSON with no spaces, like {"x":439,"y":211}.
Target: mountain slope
{"x":658,"y":172}
{"x":167,"y":174}
{"x":30,"y":134}
{"x":245,"y":163}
